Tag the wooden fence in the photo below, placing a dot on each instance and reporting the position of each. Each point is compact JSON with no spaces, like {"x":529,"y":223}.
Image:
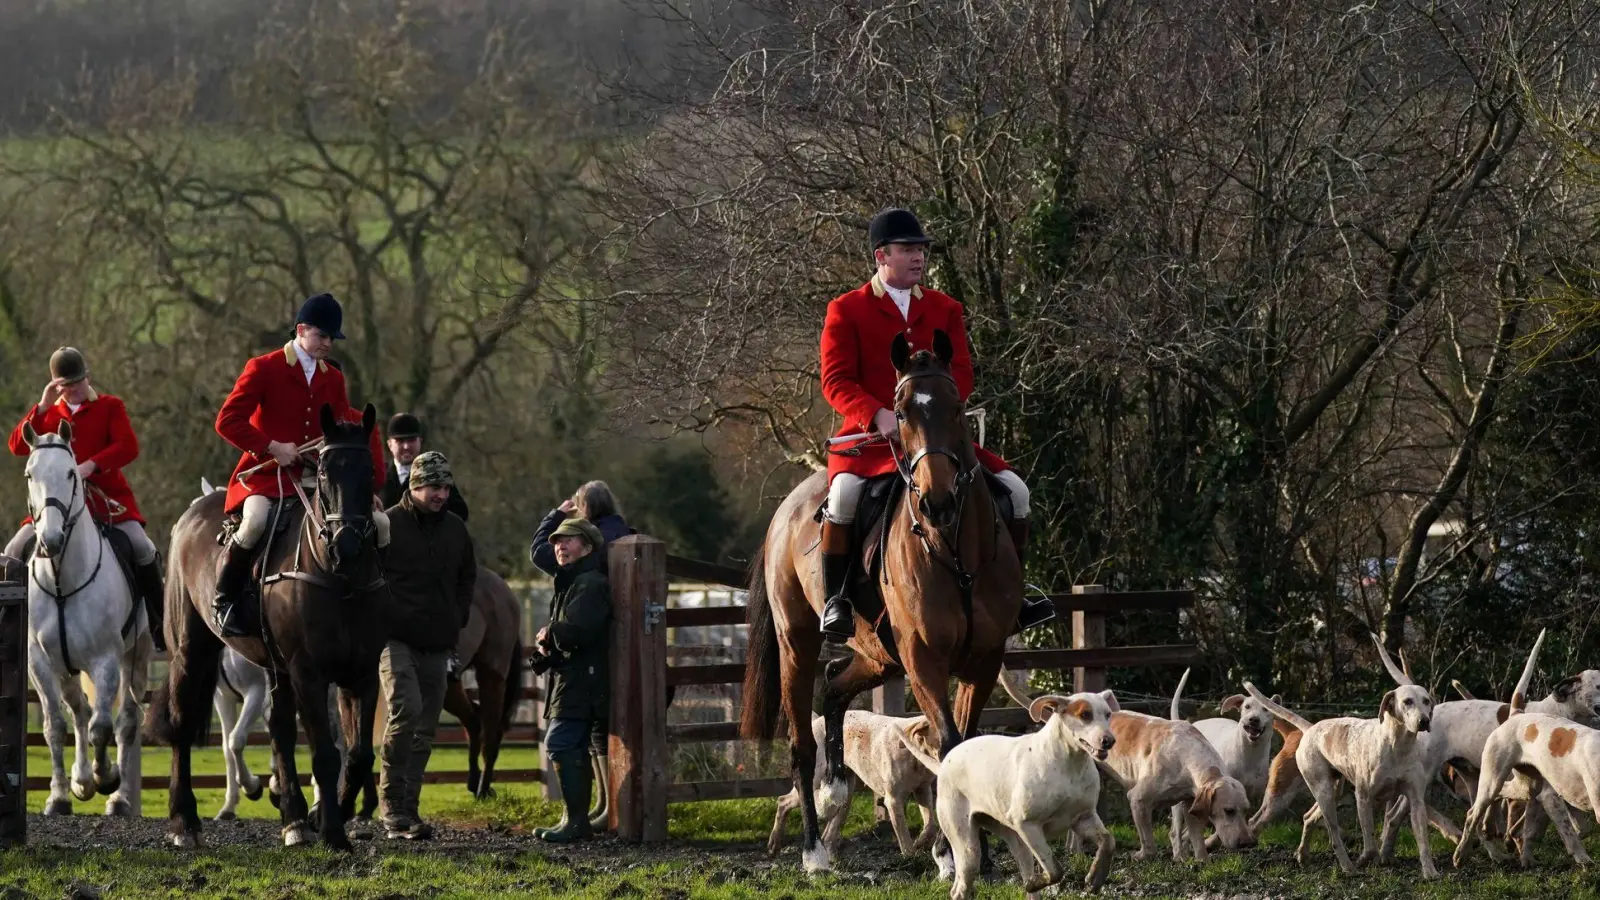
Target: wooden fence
{"x":641,"y":740}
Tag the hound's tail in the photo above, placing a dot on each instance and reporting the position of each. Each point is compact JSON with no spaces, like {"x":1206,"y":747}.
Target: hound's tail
{"x":914,"y":735}
{"x":1279,"y":711}
{"x":1462,"y":690}
{"x":1519,"y":697}
{"x":1398,"y":674}
{"x":1177,"y":697}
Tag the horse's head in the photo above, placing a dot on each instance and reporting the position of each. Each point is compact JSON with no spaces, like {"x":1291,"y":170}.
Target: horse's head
{"x":344,"y":488}
{"x":933,"y":428}
{"x":55,"y":492}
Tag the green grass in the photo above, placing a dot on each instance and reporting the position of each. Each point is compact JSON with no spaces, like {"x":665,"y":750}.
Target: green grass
{"x":449,"y":800}
{"x":715,"y":850}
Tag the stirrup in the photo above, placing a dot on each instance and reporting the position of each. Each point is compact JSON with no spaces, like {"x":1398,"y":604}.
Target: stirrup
{"x":1036,"y":610}
{"x":838,"y":620}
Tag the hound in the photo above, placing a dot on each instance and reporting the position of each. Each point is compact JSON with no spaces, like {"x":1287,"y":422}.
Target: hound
{"x":1244,"y":745}
{"x":1027,"y":789}
{"x":877,"y":755}
{"x":1379,"y":758}
{"x":1551,"y":758}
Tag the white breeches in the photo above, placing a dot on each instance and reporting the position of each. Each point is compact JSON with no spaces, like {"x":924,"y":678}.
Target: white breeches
{"x":144,"y":550}
{"x":844,"y":494}
{"x":256,"y":515}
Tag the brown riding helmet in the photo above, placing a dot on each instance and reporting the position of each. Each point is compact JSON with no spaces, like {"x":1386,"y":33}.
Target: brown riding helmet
{"x":68,"y":365}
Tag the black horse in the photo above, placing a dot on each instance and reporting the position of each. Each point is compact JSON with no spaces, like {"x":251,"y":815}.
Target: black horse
{"x":323,"y":605}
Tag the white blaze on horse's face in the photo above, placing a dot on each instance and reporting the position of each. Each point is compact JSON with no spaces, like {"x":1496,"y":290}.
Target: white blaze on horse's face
{"x":52,"y":472}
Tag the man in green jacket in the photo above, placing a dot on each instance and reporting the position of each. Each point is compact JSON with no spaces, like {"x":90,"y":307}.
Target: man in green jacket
{"x":574,"y":646}
{"x":431,"y":568}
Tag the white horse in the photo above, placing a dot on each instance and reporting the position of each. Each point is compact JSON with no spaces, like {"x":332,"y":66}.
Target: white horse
{"x":242,"y":699}
{"x":82,"y":618}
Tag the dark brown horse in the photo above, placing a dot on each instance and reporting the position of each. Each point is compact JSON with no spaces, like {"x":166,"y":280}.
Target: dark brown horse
{"x":322,"y":624}
{"x":952,"y":587}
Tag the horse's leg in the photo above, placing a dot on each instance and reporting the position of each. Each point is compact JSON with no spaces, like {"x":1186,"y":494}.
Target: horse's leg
{"x":83,"y":747}
{"x":228,"y":713}
{"x":929,"y":676}
{"x":860,"y":674}
{"x":357,"y":708}
{"x":457,"y":704}
{"x":50,"y":688}
{"x":181,"y":708}
{"x":311,"y":695}
{"x":491,"y":721}
{"x":291,"y":799}
{"x":129,"y":798}
{"x":798,"y":655}
{"x":106,"y":675}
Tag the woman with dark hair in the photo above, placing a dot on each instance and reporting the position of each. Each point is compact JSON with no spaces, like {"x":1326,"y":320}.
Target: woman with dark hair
{"x":594,"y":502}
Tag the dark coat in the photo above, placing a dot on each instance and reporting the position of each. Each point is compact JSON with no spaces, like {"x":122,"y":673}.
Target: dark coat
{"x":580,"y":628}
{"x":543,"y":554}
{"x":393,"y":490}
{"x":431,"y":568}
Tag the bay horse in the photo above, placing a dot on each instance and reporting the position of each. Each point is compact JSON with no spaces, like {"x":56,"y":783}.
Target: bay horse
{"x":952,"y":588}
{"x":323,"y":602}
{"x":83,"y":619}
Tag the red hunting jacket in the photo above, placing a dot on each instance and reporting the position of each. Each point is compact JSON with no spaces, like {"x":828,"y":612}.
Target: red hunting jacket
{"x":100,"y":432}
{"x":858,"y":377}
{"x":271,"y":401}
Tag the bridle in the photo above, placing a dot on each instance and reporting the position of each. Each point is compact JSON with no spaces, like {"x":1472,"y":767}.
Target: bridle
{"x":72,"y":511}
{"x":965,"y":475}
{"x":327,"y":525}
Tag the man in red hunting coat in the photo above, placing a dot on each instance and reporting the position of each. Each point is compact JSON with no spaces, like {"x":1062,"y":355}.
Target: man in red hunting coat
{"x":276,"y":407}
{"x":858,"y":379}
{"x":103,"y":442}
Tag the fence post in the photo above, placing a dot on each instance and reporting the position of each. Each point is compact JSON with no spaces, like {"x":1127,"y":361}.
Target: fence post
{"x":13,"y":714}
{"x":639,"y":750}
{"x":889,"y":698}
{"x":1088,"y":630}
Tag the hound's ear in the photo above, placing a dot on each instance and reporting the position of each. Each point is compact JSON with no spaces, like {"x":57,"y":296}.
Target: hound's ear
{"x":1232,"y":704}
{"x":1387,"y":706}
{"x":29,"y":436}
{"x":329,"y":422}
{"x":1042,"y":708}
{"x":65,"y":430}
{"x":1278,"y":699}
{"x":1111,"y":700}
{"x":921,"y":734}
{"x":1203,"y":800}
{"x":942,"y":348}
{"x":369,"y":418}
{"x":900,"y":353}
{"x":1566,"y":687}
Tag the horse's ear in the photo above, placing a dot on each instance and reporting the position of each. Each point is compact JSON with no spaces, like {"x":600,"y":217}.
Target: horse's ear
{"x":369,"y":418}
{"x":900,"y":353}
{"x":942,"y":348}
{"x":65,"y":430}
{"x":329,"y":423}
{"x":28,"y":434}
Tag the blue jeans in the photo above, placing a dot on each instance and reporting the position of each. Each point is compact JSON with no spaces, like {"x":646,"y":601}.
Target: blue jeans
{"x":567,"y":734}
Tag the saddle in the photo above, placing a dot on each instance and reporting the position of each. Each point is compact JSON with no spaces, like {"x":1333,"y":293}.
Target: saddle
{"x":881,"y":498}
{"x":121,"y":550}
{"x":283,"y":517}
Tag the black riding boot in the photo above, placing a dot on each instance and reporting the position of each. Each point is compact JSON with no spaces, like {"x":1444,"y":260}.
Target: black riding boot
{"x":232,"y":581}
{"x":838,"y":618}
{"x":148,"y":577}
{"x":1036,"y":609}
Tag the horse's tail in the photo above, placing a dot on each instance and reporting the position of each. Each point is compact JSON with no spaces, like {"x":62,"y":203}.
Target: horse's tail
{"x":513,"y":692}
{"x":762,"y":680}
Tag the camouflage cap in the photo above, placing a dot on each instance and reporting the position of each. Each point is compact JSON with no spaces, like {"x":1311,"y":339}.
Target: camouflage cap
{"x":582,"y":528}
{"x":430,"y":468}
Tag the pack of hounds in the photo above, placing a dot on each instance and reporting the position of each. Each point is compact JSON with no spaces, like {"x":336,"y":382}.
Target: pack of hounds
{"x":1520,"y":765}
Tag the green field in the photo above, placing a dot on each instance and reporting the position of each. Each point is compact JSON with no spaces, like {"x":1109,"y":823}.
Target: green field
{"x":715,"y":850}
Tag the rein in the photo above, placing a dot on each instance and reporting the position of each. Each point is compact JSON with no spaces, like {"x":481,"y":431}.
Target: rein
{"x":324,"y":525}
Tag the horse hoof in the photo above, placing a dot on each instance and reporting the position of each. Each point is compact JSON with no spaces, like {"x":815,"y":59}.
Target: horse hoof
{"x":254,"y":793}
{"x":487,"y":793}
{"x":83,"y":790}
{"x":816,"y":859}
{"x":339,"y":841}
{"x":227,"y":815}
{"x":295,"y":835}
{"x":58,"y":808}
{"x":361,"y":830}
{"x":119,"y":808}
{"x":189,"y":840}
{"x":109,"y":786}
{"x":472,"y":783}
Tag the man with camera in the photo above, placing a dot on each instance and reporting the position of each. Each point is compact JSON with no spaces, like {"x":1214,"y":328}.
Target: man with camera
{"x":572,"y":649}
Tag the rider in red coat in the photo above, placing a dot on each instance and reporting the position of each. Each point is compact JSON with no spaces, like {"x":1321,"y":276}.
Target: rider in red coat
{"x":858,"y":380}
{"x":275,"y":408}
{"x":103,"y":442}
